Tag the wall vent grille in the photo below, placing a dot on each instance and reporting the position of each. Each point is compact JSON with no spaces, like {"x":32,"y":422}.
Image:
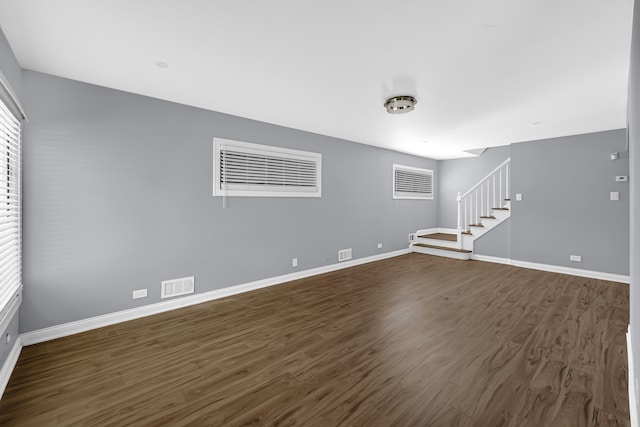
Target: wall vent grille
{"x":176,"y":287}
{"x":344,"y":254}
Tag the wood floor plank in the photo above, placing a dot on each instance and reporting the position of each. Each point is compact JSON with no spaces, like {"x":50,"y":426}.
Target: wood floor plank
{"x":414,"y":340}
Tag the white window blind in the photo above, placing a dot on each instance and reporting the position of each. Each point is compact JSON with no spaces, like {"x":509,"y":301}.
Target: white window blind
{"x":412,"y":183}
{"x":253,"y":170}
{"x":10,"y":213}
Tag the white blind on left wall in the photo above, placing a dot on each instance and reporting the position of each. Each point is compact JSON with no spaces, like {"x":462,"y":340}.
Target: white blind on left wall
{"x":10,"y":210}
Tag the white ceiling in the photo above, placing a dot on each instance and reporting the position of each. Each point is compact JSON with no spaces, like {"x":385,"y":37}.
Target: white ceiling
{"x":485,"y":73}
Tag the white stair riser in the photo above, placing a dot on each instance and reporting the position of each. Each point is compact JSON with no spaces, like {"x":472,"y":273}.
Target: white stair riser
{"x":501,"y":215}
{"x":437,"y":242}
{"x":467,"y":242}
{"x":440,"y":252}
{"x":479,"y":231}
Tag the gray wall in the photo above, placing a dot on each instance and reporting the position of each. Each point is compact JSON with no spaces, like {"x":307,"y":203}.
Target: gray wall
{"x":11,"y":70}
{"x":118,"y":196}
{"x":565,"y":183}
{"x":634,"y":160}
{"x":10,"y":67}
{"x":496,"y":243}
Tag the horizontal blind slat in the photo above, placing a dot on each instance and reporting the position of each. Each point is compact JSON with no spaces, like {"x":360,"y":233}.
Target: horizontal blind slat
{"x":259,"y":170}
{"x":409,"y":182}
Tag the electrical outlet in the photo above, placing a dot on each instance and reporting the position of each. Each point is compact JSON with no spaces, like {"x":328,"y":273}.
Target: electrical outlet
{"x":294,"y":262}
{"x":379,"y":245}
{"x":576,"y":258}
{"x":140,"y":293}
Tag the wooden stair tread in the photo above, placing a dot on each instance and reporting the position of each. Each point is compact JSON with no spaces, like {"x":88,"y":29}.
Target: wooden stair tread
{"x":442,"y":248}
{"x":488,"y":217}
{"x":500,"y":209}
{"x":441,"y":236}
{"x":467,"y":232}
{"x":476,"y":225}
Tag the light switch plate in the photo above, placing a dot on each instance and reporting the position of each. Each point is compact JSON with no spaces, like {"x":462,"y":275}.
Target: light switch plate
{"x":615,"y":195}
{"x":519,"y":197}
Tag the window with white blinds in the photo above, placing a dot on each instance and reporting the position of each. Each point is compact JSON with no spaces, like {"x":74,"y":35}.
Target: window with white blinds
{"x":253,"y":170}
{"x":412,"y":183}
{"x":10,"y":212}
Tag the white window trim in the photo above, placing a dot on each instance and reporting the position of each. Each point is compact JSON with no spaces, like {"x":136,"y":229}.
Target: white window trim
{"x":408,"y":196}
{"x":271,"y":191}
{"x":10,"y":99}
{"x":11,"y":229}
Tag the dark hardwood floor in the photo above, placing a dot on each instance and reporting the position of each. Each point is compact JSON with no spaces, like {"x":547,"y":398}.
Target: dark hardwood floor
{"x":414,"y":340}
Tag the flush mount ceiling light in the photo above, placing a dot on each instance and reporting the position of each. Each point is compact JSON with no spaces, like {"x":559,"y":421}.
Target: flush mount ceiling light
{"x":400,"y":104}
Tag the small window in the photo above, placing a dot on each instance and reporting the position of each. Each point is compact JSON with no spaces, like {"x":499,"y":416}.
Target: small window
{"x":412,"y":183}
{"x":253,"y":170}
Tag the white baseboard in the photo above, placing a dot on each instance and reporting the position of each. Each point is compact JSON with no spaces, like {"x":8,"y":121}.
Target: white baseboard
{"x":9,"y":365}
{"x":556,"y":269}
{"x":493,"y":259}
{"x":631,"y":382}
{"x":463,"y":256}
{"x":573,"y":271}
{"x":66,"y":329}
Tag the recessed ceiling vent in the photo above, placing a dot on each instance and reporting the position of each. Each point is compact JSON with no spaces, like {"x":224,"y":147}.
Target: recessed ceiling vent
{"x":400,"y":104}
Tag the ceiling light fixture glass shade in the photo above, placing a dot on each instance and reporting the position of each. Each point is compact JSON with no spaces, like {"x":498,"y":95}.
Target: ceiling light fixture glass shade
{"x":400,"y":104}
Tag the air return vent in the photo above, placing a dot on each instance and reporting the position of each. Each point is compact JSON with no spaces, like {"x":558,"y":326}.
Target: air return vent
{"x":175,"y":287}
{"x":253,"y":170}
{"x":344,"y":254}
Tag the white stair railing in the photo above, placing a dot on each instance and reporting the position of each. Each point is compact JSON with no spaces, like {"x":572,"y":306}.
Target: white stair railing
{"x":490,"y":192}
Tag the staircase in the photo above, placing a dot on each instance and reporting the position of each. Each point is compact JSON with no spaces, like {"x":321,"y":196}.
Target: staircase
{"x":480,"y":209}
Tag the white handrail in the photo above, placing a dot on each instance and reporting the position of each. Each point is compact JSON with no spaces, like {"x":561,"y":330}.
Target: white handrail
{"x":487,"y":177}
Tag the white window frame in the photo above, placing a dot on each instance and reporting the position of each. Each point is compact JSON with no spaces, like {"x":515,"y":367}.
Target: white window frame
{"x":11,"y":116}
{"x":412,"y":196}
{"x":264,"y":190}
